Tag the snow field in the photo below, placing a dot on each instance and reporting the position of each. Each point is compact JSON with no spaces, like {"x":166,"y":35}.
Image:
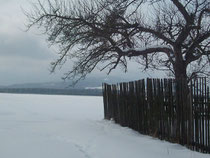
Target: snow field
{"x":49,"y":126}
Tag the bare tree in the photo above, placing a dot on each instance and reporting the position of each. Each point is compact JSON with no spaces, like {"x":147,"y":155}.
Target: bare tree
{"x":171,"y":35}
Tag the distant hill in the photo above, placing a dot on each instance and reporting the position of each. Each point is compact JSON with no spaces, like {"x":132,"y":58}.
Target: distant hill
{"x":90,"y":86}
{"x":88,"y":83}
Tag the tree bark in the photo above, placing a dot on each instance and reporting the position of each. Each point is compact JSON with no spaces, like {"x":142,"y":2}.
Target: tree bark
{"x":180,"y":70}
{"x":184,"y":103}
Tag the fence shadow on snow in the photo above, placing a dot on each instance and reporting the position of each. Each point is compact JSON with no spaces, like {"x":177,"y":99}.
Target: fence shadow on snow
{"x":163,"y":108}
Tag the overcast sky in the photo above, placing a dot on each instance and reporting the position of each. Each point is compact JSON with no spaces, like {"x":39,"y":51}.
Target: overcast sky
{"x":25,"y":56}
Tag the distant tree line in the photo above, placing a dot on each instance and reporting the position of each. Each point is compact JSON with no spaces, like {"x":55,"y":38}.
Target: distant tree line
{"x":87,"y":92}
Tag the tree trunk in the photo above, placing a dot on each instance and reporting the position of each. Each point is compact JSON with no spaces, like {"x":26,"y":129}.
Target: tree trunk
{"x":180,"y":70}
{"x":183,"y":103}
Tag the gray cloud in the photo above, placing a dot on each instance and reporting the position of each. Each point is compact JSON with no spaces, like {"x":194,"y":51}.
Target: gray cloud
{"x":23,"y":46}
{"x":25,"y":56}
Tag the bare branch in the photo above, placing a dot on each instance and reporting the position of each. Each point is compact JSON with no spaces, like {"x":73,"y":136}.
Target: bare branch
{"x":107,"y":33}
{"x":149,"y":50}
{"x":183,"y":10}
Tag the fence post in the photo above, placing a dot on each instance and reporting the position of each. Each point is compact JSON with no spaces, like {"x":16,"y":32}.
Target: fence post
{"x":105,"y":99}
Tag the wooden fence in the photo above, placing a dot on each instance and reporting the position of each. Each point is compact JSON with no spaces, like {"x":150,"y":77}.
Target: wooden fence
{"x":163,"y":108}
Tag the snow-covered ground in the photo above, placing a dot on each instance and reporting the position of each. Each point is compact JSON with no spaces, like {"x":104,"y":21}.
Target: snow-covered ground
{"x":44,"y":126}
